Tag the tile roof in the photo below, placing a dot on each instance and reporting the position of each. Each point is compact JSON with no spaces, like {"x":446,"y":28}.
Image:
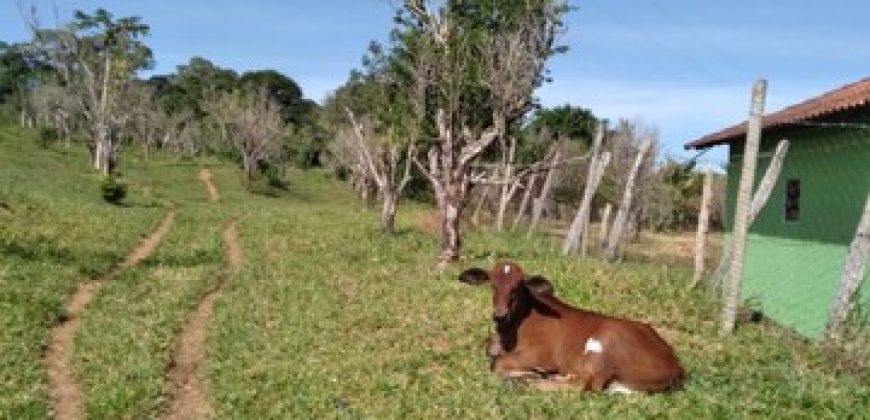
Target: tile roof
{"x":844,"y":98}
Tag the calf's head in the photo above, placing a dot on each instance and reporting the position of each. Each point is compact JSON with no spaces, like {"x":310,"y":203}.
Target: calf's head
{"x":506,"y":279}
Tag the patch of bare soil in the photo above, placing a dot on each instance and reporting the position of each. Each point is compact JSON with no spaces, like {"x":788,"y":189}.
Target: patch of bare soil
{"x":66,"y":396}
{"x":189,"y":398}
{"x":205,"y":177}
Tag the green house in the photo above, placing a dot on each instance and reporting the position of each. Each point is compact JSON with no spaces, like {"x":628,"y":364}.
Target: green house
{"x":797,"y":245}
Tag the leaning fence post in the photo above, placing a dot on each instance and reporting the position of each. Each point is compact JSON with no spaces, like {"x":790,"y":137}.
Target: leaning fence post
{"x":759,"y":199}
{"x":741,"y":213}
{"x":538,"y":203}
{"x":611,"y":252}
{"x":853,"y":274}
{"x":597,"y":163}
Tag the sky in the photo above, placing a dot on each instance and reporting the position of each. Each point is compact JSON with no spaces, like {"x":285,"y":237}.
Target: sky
{"x":683,"y":67}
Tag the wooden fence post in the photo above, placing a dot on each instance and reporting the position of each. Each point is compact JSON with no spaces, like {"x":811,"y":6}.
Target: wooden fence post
{"x":853,"y":274}
{"x":597,"y":163}
{"x":703,"y":227}
{"x":615,"y":235}
{"x":741,"y":213}
{"x":605,"y":219}
{"x":524,"y":203}
{"x":475,"y":218}
{"x":538,"y":203}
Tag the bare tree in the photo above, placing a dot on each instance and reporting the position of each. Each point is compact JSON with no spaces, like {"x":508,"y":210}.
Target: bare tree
{"x":510,"y":55}
{"x":254,"y":126}
{"x":385,"y":165}
{"x":345,"y":152}
{"x":55,"y":107}
{"x":97,"y":58}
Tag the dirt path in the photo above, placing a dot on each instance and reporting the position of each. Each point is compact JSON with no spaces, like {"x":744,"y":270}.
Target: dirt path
{"x":66,"y":396}
{"x":205,"y":177}
{"x":189,"y":397}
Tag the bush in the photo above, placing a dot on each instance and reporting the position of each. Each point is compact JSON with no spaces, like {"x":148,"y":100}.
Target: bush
{"x":114,"y":191}
{"x":47,"y":135}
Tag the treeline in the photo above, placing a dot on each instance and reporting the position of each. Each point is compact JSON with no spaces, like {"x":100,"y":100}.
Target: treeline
{"x":79,"y":83}
{"x":444,"y":110}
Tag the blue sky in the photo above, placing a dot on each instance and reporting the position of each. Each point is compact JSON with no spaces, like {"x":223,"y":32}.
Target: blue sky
{"x":682,"y":66}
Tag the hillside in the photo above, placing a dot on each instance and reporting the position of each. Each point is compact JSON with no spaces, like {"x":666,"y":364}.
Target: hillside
{"x":325,"y":316}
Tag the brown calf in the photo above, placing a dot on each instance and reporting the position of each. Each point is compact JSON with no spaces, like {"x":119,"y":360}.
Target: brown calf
{"x":539,"y":334}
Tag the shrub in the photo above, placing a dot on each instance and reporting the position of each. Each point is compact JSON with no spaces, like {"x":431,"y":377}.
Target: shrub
{"x":114,"y":191}
{"x":47,"y":135}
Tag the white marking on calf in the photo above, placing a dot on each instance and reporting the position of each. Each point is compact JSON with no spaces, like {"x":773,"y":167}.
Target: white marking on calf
{"x":619,"y":388}
{"x":507,"y":269}
{"x":593,"y":345}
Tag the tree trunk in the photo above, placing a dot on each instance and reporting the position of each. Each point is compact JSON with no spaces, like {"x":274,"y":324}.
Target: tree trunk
{"x":853,"y":275}
{"x":703,"y":228}
{"x":102,"y":149}
{"x":248,"y":169}
{"x":615,"y":236}
{"x":741,"y":213}
{"x":388,"y":210}
{"x":450,"y":206}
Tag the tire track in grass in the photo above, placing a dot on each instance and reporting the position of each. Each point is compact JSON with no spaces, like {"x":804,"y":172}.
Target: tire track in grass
{"x":205,"y":177}
{"x":189,"y":398}
{"x":65,"y":392}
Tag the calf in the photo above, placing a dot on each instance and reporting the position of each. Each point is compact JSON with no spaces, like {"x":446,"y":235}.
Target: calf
{"x":538,"y":333}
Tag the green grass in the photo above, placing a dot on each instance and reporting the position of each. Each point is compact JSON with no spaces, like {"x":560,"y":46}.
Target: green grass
{"x":129,"y":332}
{"x":328,"y":317}
{"x":56,"y":232}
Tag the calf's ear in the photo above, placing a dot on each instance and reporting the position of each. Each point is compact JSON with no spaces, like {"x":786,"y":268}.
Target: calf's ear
{"x":540,"y":285}
{"x":474,"y":276}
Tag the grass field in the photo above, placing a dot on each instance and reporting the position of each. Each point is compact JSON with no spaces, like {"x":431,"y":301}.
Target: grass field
{"x":328,"y":317}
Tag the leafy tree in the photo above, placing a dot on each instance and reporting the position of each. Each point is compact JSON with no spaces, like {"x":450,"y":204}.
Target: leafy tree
{"x":566,"y":122}
{"x":192,"y":84}
{"x":295,"y":109}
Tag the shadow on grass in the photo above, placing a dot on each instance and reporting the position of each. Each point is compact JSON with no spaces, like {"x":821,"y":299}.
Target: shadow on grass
{"x":192,"y":259}
{"x":36,"y":251}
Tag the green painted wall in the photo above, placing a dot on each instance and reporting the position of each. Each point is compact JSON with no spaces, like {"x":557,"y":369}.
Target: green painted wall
{"x":793,"y":268}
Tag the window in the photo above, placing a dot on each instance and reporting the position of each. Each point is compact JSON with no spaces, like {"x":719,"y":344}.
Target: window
{"x":792,"y":200}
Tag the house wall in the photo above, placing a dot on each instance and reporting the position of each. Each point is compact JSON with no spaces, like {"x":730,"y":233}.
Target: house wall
{"x":793,"y":268}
